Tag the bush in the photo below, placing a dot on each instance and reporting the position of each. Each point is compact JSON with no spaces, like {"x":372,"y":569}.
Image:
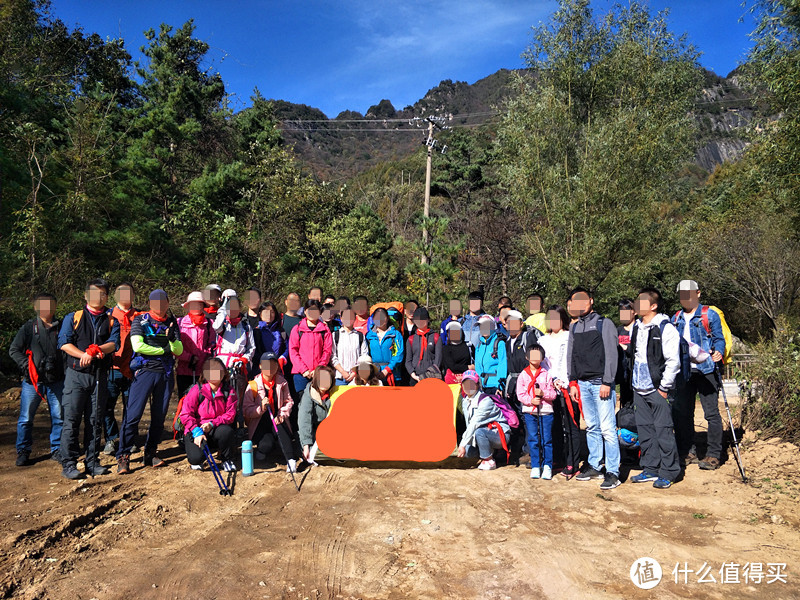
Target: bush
{"x":772,"y":394}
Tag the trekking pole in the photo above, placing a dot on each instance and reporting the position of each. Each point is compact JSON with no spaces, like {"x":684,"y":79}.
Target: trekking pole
{"x":568,"y":429}
{"x":280,"y":443}
{"x":539,"y":425}
{"x":223,"y":487}
{"x":739,"y":462}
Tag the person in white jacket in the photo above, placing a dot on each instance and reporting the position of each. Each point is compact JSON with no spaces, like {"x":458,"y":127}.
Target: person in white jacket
{"x":485,"y":424}
{"x":654,"y":356}
{"x":349,"y":345}
{"x":235,"y":344}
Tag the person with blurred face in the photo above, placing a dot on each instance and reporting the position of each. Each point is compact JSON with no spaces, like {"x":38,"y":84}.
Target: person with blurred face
{"x":156,"y":341}
{"x":268,"y":409}
{"x":486,"y":427}
{"x":454,"y":315}
{"x":520,"y":339}
{"x":314,"y":407}
{"x":386,"y":346}
{"x":627,"y":318}
{"x":120,"y":376}
{"x":706,"y":332}
{"x":536,"y":317}
{"x":423,"y":349}
{"x":331,"y":317}
{"x":456,"y":356}
{"x":349,"y":346}
{"x":469,"y":325}
{"x":310,"y":345}
{"x":212,"y":295}
{"x":361,"y":308}
{"x":409,"y":328}
{"x":592,"y":366}
{"x":536,"y":394}
{"x":199,"y":341}
{"x":252,"y":299}
{"x":88,"y":338}
{"x":291,"y":317}
{"x":35,"y":351}
{"x":207,"y":414}
{"x":366,"y":372}
{"x":491,"y":361}
{"x":270,"y":336}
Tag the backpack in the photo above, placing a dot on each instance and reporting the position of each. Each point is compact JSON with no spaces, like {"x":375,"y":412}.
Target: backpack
{"x":498,"y":338}
{"x":177,"y":424}
{"x":336,"y":337}
{"x":509,"y":414}
{"x":726,"y":331}
{"x":626,"y":427}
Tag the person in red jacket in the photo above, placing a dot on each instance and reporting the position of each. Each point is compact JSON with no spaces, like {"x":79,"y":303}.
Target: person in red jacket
{"x":207,"y":415}
{"x":310,"y":345}
{"x":199,"y":340}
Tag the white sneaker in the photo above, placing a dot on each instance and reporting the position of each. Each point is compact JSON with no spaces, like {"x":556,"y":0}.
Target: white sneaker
{"x":487,"y":465}
{"x":547,"y":472}
{"x":535,"y":473}
{"x":228,"y":466}
{"x":291,"y":466}
{"x":196,"y":467}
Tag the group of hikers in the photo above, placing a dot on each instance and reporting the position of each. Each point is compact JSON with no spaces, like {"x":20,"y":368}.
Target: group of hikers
{"x":243,"y":369}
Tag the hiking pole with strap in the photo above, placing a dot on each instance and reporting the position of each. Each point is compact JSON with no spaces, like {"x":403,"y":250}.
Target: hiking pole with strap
{"x":567,"y":414}
{"x":539,"y":426}
{"x":739,"y":462}
{"x":223,"y":487}
{"x":280,"y":443}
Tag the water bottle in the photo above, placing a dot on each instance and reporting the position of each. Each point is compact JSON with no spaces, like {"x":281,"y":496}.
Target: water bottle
{"x":247,"y":458}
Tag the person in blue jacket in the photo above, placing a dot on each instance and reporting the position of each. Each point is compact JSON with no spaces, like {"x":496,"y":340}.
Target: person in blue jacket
{"x":269,"y":335}
{"x":701,"y":326}
{"x":386,"y":346}
{"x":490,"y":356}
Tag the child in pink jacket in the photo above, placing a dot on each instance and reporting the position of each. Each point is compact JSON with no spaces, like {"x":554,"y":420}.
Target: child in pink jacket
{"x":536,"y":392}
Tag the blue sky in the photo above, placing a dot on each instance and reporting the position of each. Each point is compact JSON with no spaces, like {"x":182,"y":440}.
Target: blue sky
{"x":350,"y":54}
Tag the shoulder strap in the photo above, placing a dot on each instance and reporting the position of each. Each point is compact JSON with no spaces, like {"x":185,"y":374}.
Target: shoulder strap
{"x":76,"y":318}
{"x":336,"y":337}
{"x":676,"y":316}
{"x":360,"y":339}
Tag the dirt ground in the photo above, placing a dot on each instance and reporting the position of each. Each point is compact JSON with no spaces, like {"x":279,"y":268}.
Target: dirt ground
{"x":389,"y":531}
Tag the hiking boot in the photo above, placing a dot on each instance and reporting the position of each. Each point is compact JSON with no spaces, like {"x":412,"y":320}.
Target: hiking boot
{"x":196,"y":467}
{"x":610,"y":482}
{"x":124,"y":464}
{"x":690,"y":459}
{"x":487,"y":465}
{"x":644,"y":476}
{"x":291,"y":466}
{"x":97,"y":470}
{"x":110,"y":448}
{"x":662,"y":484}
{"x":569,"y":472}
{"x":547,"y":472}
{"x":152,"y":460}
{"x":535,"y":473}
{"x":70,"y":471}
{"x":55,"y":455}
{"x":709,"y":463}
{"x":23,"y":459}
{"x":228,"y":466}
{"x":589,"y":473}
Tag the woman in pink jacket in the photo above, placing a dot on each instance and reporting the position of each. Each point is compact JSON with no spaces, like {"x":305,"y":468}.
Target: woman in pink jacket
{"x":269,"y":393}
{"x":199,"y":340}
{"x":536,"y":393}
{"x":207,"y":416}
{"x":310,"y":346}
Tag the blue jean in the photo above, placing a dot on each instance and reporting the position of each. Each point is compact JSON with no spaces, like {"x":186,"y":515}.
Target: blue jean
{"x":118,"y":385}
{"x":532,"y":425}
{"x":601,"y":426}
{"x":144,"y":384}
{"x":29,"y":403}
{"x":487,"y":441}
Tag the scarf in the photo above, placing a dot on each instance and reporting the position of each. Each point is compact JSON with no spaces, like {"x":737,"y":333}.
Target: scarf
{"x":211,"y":310}
{"x":156,"y":318}
{"x":198,"y":319}
{"x":533,"y":376}
{"x":235,"y":320}
{"x":423,"y":333}
{"x":96,"y":313}
{"x":127,"y":318}
{"x":270,"y":387}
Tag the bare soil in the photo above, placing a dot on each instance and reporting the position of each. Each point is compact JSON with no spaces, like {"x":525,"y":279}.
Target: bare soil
{"x":386,"y":531}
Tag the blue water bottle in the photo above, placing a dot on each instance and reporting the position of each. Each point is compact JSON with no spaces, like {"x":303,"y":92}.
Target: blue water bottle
{"x":247,"y":458}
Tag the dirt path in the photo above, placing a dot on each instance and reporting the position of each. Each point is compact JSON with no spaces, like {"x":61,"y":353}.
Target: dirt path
{"x":357,"y":532}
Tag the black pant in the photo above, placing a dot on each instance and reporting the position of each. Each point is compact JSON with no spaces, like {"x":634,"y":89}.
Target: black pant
{"x":83,"y":399}
{"x":221,"y":438}
{"x":264,"y":437}
{"x":572,"y":430}
{"x":683,"y":413}
{"x":656,"y":436}
{"x":183,"y":383}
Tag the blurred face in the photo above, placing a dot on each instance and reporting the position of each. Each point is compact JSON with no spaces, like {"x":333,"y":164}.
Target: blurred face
{"x":454,"y":335}
{"x":348,"y":316}
{"x":292,"y":302}
{"x":96,"y":297}
{"x":361,"y":308}
{"x":553,"y":320}
{"x":45,"y":308}
{"x":534,"y":305}
{"x":268,"y":314}
{"x":124,"y":296}
{"x":159,"y":306}
{"x":195,"y":307}
{"x":364,"y":371}
{"x":340,"y":305}
{"x":325,"y":381}
{"x":514,"y":326}
{"x":455,"y":308}
{"x":212,"y":297}
{"x":327,"y":315}
{"x":469,"y":387}
{"x":409,"y":308}
{"x":644,"y":306}
{"x":313,"y":314}
{"x":580,"y":304}
{"x":315,"y":294}
{"x":380,"y":320}
{"x":234,"y":308}
{"x":486,"y":328}
{"x":504,"y":314}
{"x":421,"y":323}
{"x":475,"y":305}
{"x":535,"y":358}
{"x":213,"y":373}
{"x":626,"y":316}
{"x":269,"y":368}
{"x":690,"y":299}
{"x":253,"y":299}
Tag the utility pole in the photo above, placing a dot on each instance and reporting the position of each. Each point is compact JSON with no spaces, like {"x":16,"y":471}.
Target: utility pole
{"x":430,"y":142}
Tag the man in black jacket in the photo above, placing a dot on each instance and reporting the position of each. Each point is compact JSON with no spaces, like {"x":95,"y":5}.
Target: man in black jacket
{"x":35,"y":350}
